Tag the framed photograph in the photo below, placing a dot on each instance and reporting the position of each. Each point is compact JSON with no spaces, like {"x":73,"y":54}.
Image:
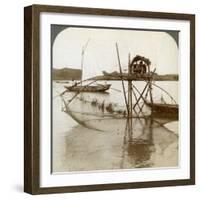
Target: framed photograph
{"x":109,"y":99}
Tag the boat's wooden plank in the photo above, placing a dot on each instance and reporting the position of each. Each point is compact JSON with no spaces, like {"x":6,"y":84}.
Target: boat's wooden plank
{"x":156,"y":77}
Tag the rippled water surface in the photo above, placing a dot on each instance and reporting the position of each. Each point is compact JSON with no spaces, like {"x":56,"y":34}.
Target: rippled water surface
{"x":102,"y":140}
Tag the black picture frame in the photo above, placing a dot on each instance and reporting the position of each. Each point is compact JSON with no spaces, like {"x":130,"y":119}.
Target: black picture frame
{"x":32,"y":95}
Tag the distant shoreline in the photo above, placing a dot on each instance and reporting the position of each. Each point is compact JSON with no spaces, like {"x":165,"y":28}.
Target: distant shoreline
{"x":75,"y":74}
{"x":66,"y":74}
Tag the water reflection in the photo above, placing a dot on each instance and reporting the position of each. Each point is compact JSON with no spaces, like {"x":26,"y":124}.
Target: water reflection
{"x":106,"y":141}
{"x":148,"y":145}
{"x":138,"y":150}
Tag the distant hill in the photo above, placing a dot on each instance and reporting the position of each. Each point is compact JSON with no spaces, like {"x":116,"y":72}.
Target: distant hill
{"x":66,"y":74}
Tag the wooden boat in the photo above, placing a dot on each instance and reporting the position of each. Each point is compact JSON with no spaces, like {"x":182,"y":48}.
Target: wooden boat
{"x":88,"y":88}
{"x":164,"y":109}
{"x":62,"y":81}
{"x":78,"y":87}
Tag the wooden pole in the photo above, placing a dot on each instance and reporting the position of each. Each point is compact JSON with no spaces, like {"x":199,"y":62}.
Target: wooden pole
{"x":130,"y":105}
{"x":128,"y":114}
{"x":145,"y":97}
{"x":121,"y":75}
{"x":130,"y":89}
{"x":136,"y":100}
{"x":150,"y":92}
{"x":141,"y":95}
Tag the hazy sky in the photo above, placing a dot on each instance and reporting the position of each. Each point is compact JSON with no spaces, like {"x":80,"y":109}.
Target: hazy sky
{"x":101,"y":54}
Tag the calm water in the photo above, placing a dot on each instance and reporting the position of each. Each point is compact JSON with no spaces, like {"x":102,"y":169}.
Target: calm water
{"x":102,"y":142}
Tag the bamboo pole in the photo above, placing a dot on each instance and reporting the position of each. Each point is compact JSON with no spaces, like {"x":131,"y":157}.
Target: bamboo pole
{"x":150,"y":88}
{"x":135,"y":99}
{"x":140,"y":108}
{"x":145,"y":97}
{"x":150,"y":91}
{"x":130,"y":97}
{"x":130,"y":90}
{"x":141,"y":95}
{"x":120,"y":69}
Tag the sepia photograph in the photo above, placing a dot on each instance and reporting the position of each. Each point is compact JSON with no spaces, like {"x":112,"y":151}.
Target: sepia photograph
{"x":109,"y":99}
{"x":115,"y":98}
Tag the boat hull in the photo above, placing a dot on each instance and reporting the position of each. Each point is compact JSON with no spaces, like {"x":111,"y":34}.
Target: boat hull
{"x":164,"y":110}
{"x":98,"y":88}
